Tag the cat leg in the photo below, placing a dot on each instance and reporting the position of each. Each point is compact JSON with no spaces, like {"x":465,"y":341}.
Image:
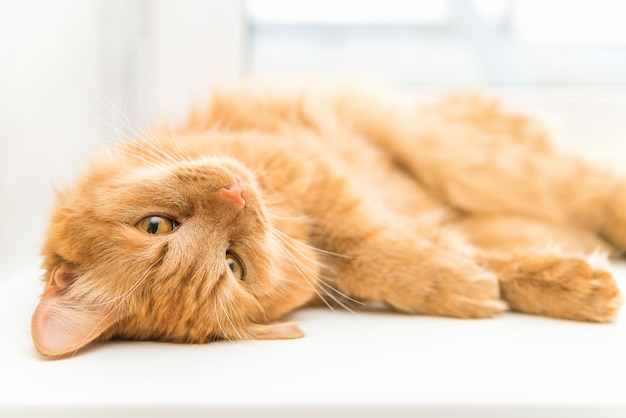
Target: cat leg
{"x":417,"y":276}
{"x":549,"y":282}
{"x":614,"y":222}
{"x":512,"y":233}
{"x":553,"y":188}
{"x":558,"y":285}
{"x":444,"y":276}
{"x":480,"y":159}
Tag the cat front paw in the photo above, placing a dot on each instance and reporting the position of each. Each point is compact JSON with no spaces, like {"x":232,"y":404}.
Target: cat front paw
{"x":563,"y":287}
{"x":457,"y":288}
{"x":469,"y":296}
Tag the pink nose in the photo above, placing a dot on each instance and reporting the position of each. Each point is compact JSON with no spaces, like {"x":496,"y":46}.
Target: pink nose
{"x":232,"y":193}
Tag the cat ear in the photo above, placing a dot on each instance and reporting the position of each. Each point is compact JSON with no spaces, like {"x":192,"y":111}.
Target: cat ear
{"x":60,"y":325}
{"x":277,"y":331}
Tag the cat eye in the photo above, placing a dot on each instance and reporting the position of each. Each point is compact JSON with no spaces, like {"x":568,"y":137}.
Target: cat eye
{"x":235,"y":265}
{"x":157,"y":225}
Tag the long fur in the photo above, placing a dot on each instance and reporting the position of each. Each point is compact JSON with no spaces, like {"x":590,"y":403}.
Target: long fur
{"x":460,"y":208}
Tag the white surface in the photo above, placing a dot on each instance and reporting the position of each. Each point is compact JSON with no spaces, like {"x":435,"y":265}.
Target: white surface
{"x":366,"y":364}
{"x":75,"y":73}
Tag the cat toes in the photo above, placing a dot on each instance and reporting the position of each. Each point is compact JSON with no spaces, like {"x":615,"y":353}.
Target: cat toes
{"x":475,"y":296}
{"x":601,"y":298}
{"x":461,"y":295}
{"x":568,"y":288}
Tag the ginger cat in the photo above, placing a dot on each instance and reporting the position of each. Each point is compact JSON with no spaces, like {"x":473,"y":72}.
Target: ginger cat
{"x":268,"y":202}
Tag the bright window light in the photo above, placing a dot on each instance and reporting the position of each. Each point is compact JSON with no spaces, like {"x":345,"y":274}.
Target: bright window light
{"x":443,"y":42}
{"x":347,"y":11}
{"x":570,"y":22}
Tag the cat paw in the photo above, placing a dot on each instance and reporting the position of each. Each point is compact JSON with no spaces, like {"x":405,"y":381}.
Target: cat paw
{"x":454,"y":287}
{"x":603,"y":298}
{"x":471,"y":296}
{"x":566,"y":287}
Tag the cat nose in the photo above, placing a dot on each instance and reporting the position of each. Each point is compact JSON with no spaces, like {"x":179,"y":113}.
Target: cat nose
{"x":232,"y":194}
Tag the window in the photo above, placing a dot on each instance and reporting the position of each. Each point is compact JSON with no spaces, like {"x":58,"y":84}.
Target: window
{"x":442,"y":42}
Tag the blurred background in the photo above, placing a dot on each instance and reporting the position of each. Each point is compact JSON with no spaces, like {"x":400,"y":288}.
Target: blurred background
{"x":77,"y":74}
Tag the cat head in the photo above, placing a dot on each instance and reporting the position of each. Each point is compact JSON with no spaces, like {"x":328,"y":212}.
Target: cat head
{"x":164,"y":249}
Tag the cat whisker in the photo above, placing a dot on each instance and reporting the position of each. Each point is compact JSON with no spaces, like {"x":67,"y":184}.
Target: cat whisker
{"x":315,"y":282}
{"x":164,"y":153}
{"x":118,"y":117}
{"x":135,"y":128}
{"x":309,"y":277}
{"x":144,"y":158}
{"x":126,"y":294}
{"x":287,"y":239}
{"x":157,"y":165}
{"x":333,"y":297}
{"x":161,"y":159}
{"x":119,"y":300}
{"x":121,"y":117}
{"x":232,"y":326}
{"x":343,"y":295}
{"x":335,"y":294}
{"x":127,"y":129}
{"x":304,"y":219}
{"x":184,"y":156}
{"x":168,"y":156}
{"x":149,"y":148}
{"x":87,"y":108}
{"x":318,"y":282}
{"x":217,"y":319}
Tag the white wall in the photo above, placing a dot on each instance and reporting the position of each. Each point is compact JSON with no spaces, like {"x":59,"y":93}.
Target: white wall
{"x":71,"y":72}
{"x":45,"y":125}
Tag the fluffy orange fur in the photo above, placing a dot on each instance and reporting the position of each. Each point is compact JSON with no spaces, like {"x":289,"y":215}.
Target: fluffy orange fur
{"x":268,"y":202}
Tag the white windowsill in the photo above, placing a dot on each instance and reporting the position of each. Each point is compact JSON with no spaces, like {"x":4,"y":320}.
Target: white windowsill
{"x":366,"y":364}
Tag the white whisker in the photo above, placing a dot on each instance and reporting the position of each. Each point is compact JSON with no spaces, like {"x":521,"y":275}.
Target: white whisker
{"x":287,"y":238}
{"x":343,"y":295}
{"x":120,"y":299}
{"x":217,"y":318}
{"x":312,"y":282}
{"x":125,"y":295}
{"x":229,"y":320}
{"x":313,"y":278}
{"x":319,"y":280}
